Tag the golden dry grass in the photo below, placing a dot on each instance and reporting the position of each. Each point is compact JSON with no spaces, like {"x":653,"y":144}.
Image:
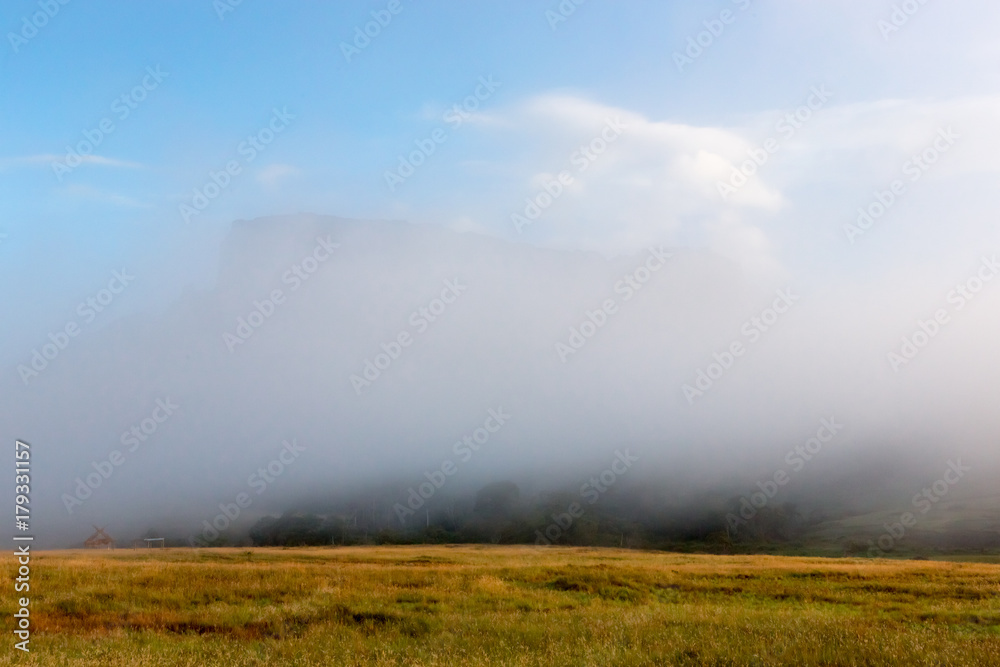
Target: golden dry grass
{"x":478,"y":605}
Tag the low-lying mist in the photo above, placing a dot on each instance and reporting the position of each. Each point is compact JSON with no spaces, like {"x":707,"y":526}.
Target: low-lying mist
{"x":338,"y":367}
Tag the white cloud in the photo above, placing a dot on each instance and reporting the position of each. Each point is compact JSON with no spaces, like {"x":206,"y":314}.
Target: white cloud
{"x":654,"y":182}
{"x":272,"y":173}
{"x":658,"y":182}
{"x":46,"y":159}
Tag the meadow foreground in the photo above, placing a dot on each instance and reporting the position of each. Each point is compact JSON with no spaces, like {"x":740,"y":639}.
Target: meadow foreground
{"x":483,"y":605}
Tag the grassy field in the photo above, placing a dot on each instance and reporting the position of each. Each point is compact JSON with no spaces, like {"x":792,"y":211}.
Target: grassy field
{"x":472,"y":605}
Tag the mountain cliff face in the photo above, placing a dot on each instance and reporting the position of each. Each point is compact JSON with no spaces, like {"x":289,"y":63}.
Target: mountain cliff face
{"x":376,"y":345}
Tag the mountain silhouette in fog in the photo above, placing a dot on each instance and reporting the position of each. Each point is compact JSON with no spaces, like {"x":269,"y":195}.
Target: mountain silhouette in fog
{"x":376,"y":345}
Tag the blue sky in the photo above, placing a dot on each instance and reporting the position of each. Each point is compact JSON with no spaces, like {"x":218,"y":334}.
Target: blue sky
{"x":558,"y":87}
